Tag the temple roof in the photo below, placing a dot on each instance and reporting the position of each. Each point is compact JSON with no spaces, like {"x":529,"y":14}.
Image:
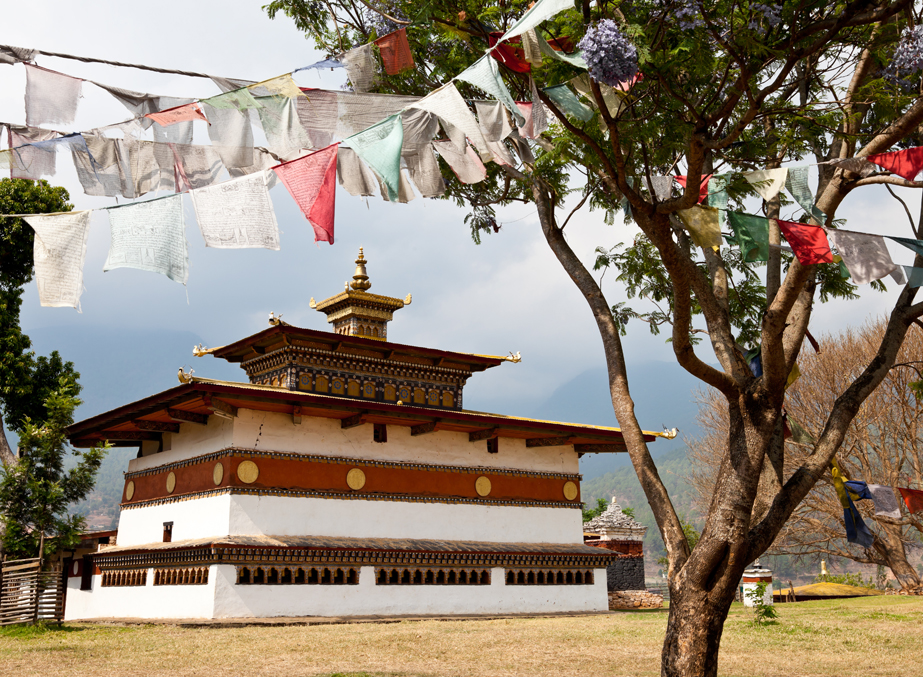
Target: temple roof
{"x":199,"y":398}
{"x":613,"y":518}
{"x":377,"y":544}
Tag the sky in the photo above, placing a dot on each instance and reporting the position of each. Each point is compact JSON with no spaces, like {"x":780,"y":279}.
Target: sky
{"x":508,"y":294}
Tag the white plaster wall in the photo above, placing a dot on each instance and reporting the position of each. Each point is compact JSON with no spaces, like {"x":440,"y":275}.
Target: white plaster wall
{"x":163,"y":601}
{"x":367,"y":599}
{"x":324,"y":436}
{"x":289,"y":516}
{"x":270,"y":431}
{"x":197,"y":518}
{"x":191,"y":441}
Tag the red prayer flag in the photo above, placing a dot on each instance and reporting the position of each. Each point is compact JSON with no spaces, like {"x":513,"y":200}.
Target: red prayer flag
{"x":808,"y":242}
{"x":629,"y":83}
{"x":170,"y":116}
{"x":311,"y":181}
{"x":913,"y":498}
{"x":508,"y":54}
{"x":905,"y":163}
{"x":703,"y":189}
{"x":395,"y":52}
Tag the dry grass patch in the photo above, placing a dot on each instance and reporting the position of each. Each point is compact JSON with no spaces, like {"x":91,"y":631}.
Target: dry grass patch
{"x":872,"y":637}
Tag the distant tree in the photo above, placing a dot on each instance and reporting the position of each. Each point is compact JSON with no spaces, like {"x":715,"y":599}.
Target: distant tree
{"x":36,"y":492}
{"x":592,"y":513}
{"x":883,"y":444}
{"x":26,"y":380}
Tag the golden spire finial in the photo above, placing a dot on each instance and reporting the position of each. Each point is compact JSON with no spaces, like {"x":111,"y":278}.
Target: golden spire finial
{"x":361,"y":278}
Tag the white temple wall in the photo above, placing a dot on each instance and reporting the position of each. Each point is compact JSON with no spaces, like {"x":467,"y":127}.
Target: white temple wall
{"x":192,"y":440}
{"x":270,"y":431}
{"x":367,"y":599}
{"x":196,"y":518}
{"x":283,"y":516}
{"x":147,"y":601}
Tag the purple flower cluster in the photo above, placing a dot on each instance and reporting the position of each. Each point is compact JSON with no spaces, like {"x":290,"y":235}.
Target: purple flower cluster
{"x":687,"y":13}
{"x":771,"y":15}
{"x":610,"y":56}
{"x":908,"y":55}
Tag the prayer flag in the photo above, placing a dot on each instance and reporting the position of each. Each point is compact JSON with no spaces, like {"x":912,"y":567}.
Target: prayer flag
{"x":492,"y":120}
{"x":170,"y":116}
{"x":237,"y":214}
{"x":885,"y":501}
{"x":914,"y":245}
{"x":576,"y":59}
{"x":808,"y":242}
{"x":702,"y":223}
{"x":914,"y":276}
{"x":485,"y":75}
{"x":59,"y":250}
{"x":361,"y":67}
{"x":284,"y":132}
{"x":661,"y":187}
{"x":30,"y":162}
{"x":859,"y":490}
{"x":425,"y":173}
{"x":353,"y":174}
{"x":395,"y":52}
{"x":539,"y":112}
{"x":51,"y":97}
{"x":767,"y":182}
{"x":179,"y":132}
{"x":913,"y":498}
{"x":530,"y":49}
{"x":718,"y":196}
{"x":752,"y":234}
{"x":237,"y":99}
{"x":232,"y":135}
{"x":797,"y":184}
{"x":611,"y":96}
{"x":856,"y":529}
{"x":326,"y":63}
{"x":906,"y":163}
{"x":281,"y":85}
{"x":150,"y":236}
{"x":380,"y":147}
{"x":311,"y":181}
{"x":466,"y":164}
{"x":866,"y":256}
{"x":509,"y":54}
{"x":857,"y":165}
{"x":703,"y":188}
{"x":568,"y":102}
{"x":448,"y":105}
{"x":538,"y":12}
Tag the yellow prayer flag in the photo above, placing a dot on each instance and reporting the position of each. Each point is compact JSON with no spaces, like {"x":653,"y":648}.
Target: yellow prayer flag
{"x":702,"y":223}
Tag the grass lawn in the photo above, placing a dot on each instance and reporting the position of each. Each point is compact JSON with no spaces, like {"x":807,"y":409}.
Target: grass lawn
{"x":868,"y":637}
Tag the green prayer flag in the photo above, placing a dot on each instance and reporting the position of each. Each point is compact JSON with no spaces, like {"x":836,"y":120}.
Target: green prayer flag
{"x":241,"y":99}
{"x":718,"y":196}
{"x":752,"y":234}
{"x":576,"y":59}
{"x":797,"y":184}
{"x":380,"y":147}
{"x":568,"y":102}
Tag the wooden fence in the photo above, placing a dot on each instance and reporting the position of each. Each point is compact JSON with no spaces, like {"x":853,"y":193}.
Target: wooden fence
{"x":28,"y":595}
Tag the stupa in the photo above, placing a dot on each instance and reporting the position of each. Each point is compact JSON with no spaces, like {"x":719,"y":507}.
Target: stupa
{"x":343,"y":478}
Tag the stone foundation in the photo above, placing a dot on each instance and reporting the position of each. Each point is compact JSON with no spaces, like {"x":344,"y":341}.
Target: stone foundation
{"x":625,"y":573}
{"x":634,"y":599}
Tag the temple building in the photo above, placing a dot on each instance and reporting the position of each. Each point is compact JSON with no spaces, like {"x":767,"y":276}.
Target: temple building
{"x":344,"y":477}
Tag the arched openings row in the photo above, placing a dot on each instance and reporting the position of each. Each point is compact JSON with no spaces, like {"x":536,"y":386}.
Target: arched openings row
{"x":181,"y":576}
{"x":124,"y":578}
{"x":427,"y":576}
{"x":271,"y":575}
{"x":549,"y":577}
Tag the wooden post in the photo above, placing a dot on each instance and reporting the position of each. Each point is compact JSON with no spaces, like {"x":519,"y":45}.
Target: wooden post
{"x":38,"y":578}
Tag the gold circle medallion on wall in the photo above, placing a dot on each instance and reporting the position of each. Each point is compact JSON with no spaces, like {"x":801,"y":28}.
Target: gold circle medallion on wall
{"x":171,"y":482}
{"x":355,"y":478}
{"x":482,"y":486}
{"x":247,"y":472}
{"x":218,"y":473}
{"x":129,"y":490}
{"x":570,"y":491}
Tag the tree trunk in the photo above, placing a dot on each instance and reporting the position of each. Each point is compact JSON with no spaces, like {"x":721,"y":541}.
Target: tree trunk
{"x":7,"y":457}
{"x":694,"y":631}
{"x":890,"y":546}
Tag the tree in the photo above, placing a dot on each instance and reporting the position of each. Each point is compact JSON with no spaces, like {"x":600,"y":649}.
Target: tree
{"x":36,"y":492}
{"x":881,"y":446}
{"x":26,"y":380}
{"x":730,"y":87}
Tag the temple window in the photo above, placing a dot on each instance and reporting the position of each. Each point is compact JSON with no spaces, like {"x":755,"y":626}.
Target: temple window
{"x":124,"y":578}
{"x":430,"y":576}
{"x":297,"y":576}
{"x":548,"y":577}
{"x":380,"y":433}
{"x":183,"y":576}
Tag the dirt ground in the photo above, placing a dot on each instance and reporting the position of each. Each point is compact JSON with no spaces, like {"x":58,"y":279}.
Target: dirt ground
{"x":868,"y":637}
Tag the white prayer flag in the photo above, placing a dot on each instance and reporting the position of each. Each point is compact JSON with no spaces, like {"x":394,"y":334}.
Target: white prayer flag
{"x":866,"y":256}
{"x":237,"y":214}
{"x":448,"y":105}
{"x":150,"y":236}
{"x":59,"y":252}
{"x":772,"y":180}
{"x":485,"y":75}
{"x":540,"y":11}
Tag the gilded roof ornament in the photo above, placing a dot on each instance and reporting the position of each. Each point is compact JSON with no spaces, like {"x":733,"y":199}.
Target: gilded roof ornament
{"x":361,"y":278}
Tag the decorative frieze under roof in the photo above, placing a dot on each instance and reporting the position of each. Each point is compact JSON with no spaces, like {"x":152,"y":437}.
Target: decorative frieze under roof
{"x":615,"y":525}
